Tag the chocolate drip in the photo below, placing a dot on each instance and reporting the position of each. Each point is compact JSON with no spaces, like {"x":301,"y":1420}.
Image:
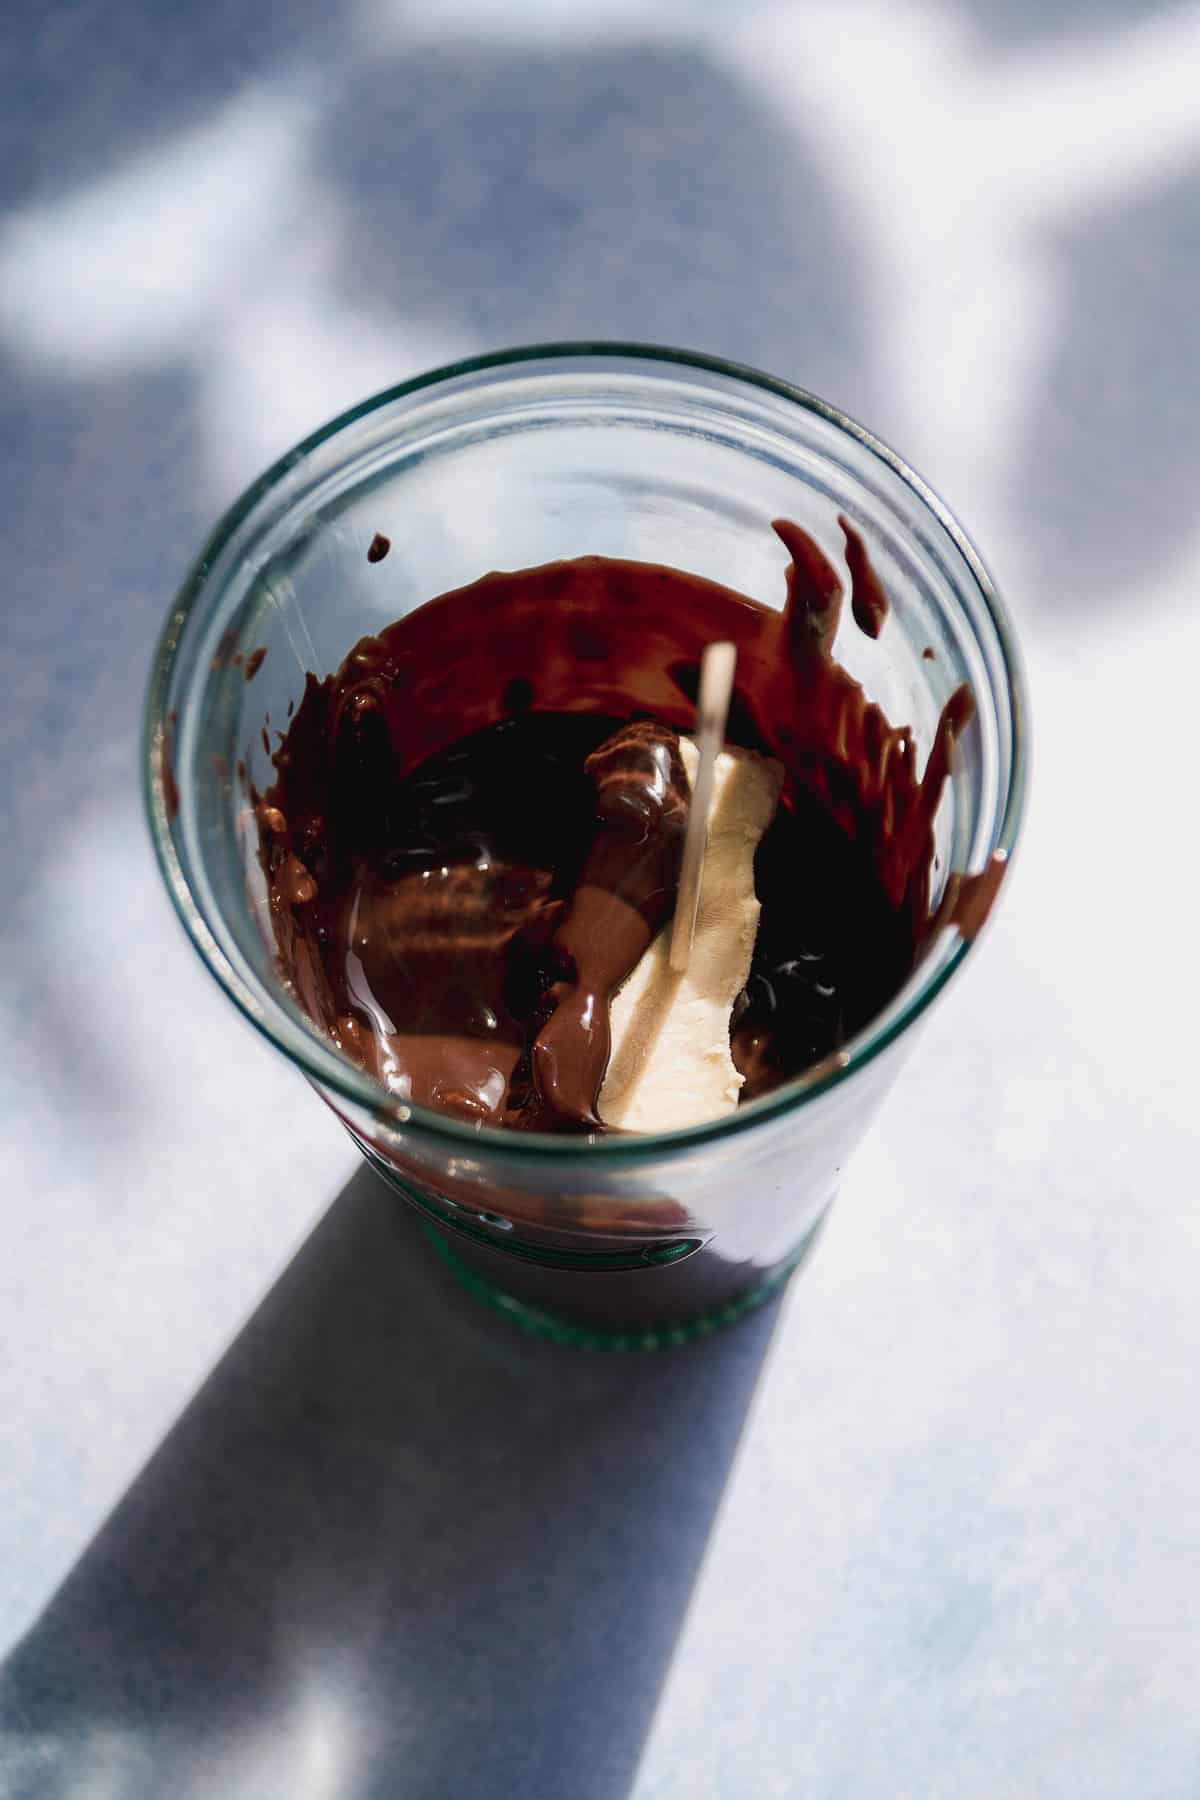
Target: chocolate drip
{"x":868,"y":602}
{"x":969,"y":899}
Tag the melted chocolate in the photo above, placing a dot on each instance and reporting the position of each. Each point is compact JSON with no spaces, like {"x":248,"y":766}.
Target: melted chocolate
{"x":970,"y":898}
{"x":624,"y":894}
{"x":476,"y":825}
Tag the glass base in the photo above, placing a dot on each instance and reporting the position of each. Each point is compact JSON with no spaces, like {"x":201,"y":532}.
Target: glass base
{"x":540,"y":1322}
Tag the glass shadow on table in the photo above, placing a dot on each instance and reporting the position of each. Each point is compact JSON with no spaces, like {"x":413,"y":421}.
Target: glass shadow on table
{"x":392,"y":1547}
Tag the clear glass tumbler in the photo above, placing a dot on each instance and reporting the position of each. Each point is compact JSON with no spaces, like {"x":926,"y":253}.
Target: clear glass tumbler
{"x":509,"y":461}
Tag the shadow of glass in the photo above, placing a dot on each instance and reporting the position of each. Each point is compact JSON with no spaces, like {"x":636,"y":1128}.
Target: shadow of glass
{"x":465,"y":1554}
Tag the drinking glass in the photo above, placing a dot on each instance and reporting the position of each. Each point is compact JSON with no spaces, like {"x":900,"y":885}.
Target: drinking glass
{"x":509,"y":461}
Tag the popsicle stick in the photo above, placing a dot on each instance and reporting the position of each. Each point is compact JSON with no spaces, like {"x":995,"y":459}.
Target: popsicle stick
{"x":712,"y":712}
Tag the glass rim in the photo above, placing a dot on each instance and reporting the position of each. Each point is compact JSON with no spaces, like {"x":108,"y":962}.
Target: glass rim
{"x":318,"y":1060}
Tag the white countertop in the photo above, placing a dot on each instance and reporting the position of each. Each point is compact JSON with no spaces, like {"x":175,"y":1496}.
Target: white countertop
{"x":283,"y":1514}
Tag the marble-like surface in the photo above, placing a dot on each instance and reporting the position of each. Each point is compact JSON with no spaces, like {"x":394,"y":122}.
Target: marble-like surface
{"x":280,"y":1513}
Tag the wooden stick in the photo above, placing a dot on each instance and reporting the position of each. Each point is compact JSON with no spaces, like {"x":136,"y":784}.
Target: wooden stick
{"x":712,"y":712}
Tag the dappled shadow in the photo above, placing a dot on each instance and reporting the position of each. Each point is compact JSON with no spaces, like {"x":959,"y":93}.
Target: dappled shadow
{"x":631,"y":191}
{"x":1012,"y":23}
{"x":101,"y":510}
{"x":374,"y":1538}
{"x":389,"y":1510}
{"x":94,"y":80}
{"x":101,"y":507}
{"x":1108,"y":475}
